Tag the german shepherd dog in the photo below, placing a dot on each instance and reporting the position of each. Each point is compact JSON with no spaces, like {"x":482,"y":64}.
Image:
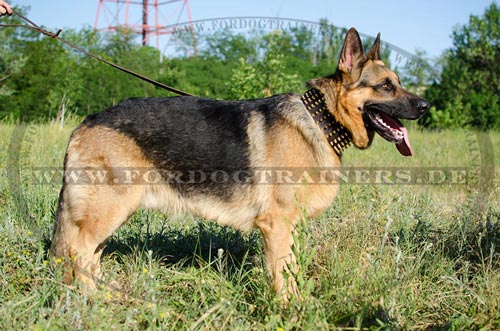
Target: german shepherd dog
{"x":202,"y":156}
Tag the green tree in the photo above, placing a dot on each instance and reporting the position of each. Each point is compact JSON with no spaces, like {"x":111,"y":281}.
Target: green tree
{"x":12,"y":61}
{"x":100,"y":85}
{"x":468,"y":92}
{"x":329,"y":43}
{"x":44,"y":70}
{"x":417,"y":72}
{"x":227,"y":46}
{"x":205,"y":76}
{"x":267,"y":78}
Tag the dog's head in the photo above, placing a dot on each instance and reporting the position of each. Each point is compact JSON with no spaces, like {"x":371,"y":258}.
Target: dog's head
{"x":366,"y":97}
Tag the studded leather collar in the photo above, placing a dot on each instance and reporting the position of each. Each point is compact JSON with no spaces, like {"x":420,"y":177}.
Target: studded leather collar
{"x":337,"y":135}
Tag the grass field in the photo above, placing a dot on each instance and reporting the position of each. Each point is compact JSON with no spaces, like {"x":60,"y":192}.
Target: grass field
{"x":383,"y":257}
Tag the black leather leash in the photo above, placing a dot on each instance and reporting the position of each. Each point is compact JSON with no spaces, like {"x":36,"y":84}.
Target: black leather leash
{"x":33,"y":26}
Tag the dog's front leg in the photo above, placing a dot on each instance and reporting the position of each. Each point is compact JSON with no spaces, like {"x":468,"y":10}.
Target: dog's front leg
{"x":278,"y":240}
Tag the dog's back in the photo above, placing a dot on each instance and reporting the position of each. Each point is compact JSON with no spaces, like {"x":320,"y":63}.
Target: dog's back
{"x":189,"y":133}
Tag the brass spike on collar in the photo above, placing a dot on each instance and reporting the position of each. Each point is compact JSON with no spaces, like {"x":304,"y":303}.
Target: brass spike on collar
{"x":337,"y":135}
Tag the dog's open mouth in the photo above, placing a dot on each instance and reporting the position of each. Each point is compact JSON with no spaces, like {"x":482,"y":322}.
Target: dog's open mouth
{"x":391,"y":129}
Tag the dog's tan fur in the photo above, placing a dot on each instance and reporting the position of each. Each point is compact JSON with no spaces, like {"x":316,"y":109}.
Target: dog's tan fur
{"x":89,"y":214}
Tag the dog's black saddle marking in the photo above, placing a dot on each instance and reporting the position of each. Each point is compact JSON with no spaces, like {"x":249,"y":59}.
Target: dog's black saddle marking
{"x":189,"y":134}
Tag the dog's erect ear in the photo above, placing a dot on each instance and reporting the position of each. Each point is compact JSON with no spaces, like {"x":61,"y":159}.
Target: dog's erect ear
{"x":374,"y":52}
{"x":352,"y":51}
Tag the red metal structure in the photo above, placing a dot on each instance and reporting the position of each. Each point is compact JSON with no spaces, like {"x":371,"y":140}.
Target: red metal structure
{"x":148,"y":18}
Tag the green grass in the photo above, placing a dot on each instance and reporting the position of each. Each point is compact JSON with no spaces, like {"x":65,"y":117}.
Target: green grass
{"x":383,"y":257}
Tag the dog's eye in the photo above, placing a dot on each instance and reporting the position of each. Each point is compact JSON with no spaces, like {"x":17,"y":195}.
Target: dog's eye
{"x":386,"y":86}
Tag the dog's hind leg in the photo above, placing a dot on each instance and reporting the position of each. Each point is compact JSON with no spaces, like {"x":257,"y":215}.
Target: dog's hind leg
{"x":87,"y":216}
{"x":277,"y":232}
{"x":98,"y":196}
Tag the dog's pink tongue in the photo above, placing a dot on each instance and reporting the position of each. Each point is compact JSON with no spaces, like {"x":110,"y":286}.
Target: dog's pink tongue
{"x":404,"y":147}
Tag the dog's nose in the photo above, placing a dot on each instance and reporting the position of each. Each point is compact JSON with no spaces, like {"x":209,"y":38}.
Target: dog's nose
{"x":422,"y":106}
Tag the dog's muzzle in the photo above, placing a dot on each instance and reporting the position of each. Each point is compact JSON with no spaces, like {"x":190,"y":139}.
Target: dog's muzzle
{"x":384,"y":119}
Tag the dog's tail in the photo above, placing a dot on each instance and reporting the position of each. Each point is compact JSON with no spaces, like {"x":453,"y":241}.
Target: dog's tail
{"x":60,"y":248}
{"x":59,"y":222}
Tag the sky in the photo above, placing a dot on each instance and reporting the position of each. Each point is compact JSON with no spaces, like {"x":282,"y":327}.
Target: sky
{"x":425,"y":25}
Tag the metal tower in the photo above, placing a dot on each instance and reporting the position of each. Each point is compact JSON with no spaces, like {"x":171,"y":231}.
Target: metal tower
{"x":147,"y":18}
